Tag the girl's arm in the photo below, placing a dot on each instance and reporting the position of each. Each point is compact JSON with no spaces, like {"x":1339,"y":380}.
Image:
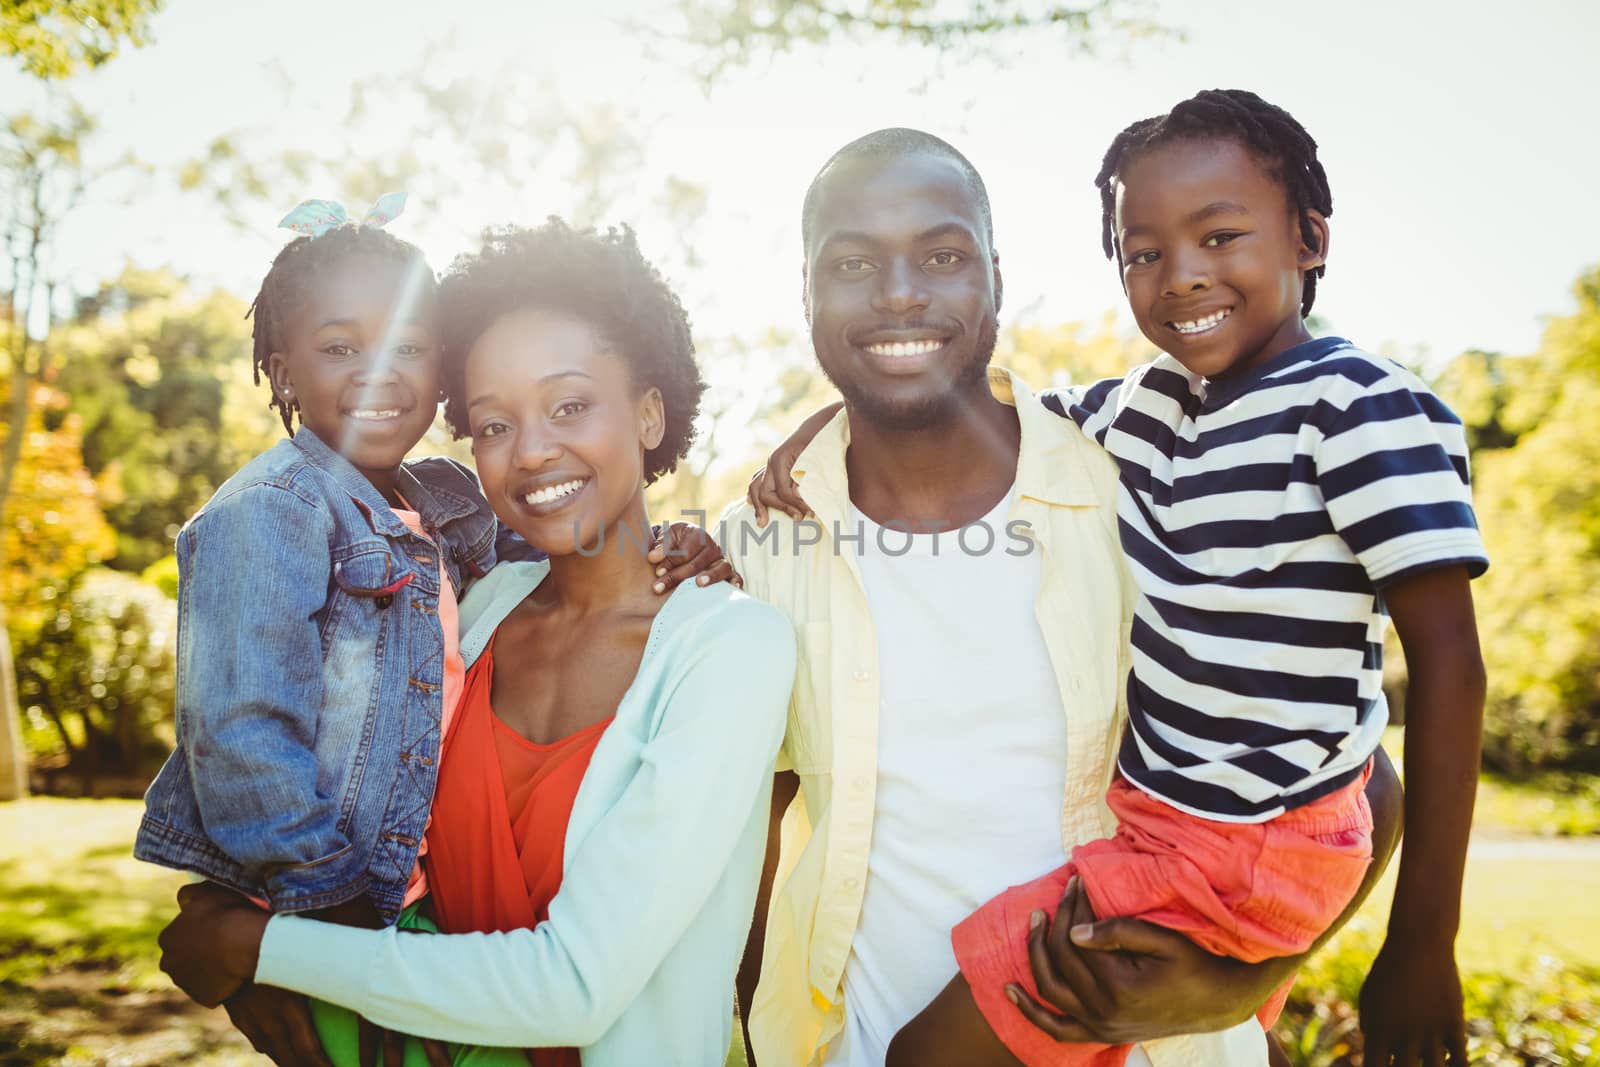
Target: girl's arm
{"x":256,"y":570}
{"x":632,"y":888}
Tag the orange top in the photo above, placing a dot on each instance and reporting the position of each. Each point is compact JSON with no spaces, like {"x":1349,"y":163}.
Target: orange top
{"x":454,"y":674}
{"x":500,"y":821}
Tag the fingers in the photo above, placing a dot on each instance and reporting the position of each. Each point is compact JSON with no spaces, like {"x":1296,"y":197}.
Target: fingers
{"x":1455,"y":1043}
{"x":1069,"y":963}
{"x":394,"y":1049}
{"x":366,"y":1041}
{"x":1433,"y":1051}
{"x":706,"y":566}
{"x":1059,"y":1028}
{"x":438,"y":1055}
{"x":754,"y":495}
{"x":246,"y":1025}
{"x":1053,"y":990}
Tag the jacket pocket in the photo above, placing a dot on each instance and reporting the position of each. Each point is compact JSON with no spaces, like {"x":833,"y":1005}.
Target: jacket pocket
{"x":370,"y":573}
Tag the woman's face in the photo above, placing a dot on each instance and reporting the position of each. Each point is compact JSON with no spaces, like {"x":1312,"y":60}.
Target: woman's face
{"x":559,"y":429}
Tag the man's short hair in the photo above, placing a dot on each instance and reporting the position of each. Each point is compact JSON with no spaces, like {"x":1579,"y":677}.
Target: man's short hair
{"x":892,"y":142}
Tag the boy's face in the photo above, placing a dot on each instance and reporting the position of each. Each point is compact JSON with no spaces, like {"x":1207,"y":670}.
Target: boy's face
{"x":559,"y":431}
{"x":361,"y":360}
{"x":901,"y":287}
{"x":1213,"y":260}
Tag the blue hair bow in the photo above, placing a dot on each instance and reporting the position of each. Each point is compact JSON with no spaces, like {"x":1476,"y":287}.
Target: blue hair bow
{"x":316,"y":217}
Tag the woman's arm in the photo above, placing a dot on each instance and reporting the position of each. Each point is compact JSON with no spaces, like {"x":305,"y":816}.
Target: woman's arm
{"x":629,"y":892}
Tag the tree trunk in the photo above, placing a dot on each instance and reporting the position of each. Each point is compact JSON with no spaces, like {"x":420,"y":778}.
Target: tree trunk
{"x":13,"y":757}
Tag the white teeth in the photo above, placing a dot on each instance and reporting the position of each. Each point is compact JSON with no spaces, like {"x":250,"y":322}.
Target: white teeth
{"x":904,"y":348}
{"x":1201,"y":325}
{"x":553,"y":492}
{"x":375,"y":413}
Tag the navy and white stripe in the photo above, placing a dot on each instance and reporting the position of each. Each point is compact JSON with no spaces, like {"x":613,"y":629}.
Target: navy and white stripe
{"x":1261,"y":518}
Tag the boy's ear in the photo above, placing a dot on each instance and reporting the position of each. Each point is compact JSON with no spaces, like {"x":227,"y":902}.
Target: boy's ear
{"x":805,"y":290}
{"x":278,"y":376}
{"x":999,"y":283}
{"x":1314,"y":254}
{"x":652,"y":418}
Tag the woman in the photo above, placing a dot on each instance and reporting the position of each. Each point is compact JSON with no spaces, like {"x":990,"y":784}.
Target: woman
{"x":610,"y":745}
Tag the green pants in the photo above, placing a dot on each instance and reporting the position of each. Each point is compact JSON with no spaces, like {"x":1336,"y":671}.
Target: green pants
{"x":339,"y":1027}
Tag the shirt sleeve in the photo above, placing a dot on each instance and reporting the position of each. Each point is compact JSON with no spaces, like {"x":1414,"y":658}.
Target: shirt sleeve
{"x":1392,"y":469}
{"x":1084,"y":404}
{"x":250,"y":691}
{"x":629,"y":892}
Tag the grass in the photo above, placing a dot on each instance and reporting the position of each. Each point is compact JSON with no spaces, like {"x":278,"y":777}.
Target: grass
{"x":78,"y":920}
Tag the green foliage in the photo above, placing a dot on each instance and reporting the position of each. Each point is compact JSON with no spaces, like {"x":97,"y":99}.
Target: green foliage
{"x":1539,"y":1012}
{"x":96,"y":683}
{"x":1550,"y":804}
{"x":161,"y":378}
{"x":57,"y":38}
{"x":54,"y":529}
{"x":734,"y":33}
{"x":1537,"y":492}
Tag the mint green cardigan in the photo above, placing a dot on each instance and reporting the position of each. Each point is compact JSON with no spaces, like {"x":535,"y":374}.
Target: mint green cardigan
{"x":663,"y":854}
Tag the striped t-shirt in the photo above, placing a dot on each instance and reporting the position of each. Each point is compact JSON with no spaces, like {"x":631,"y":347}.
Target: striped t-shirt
{"x":1261,"y":517}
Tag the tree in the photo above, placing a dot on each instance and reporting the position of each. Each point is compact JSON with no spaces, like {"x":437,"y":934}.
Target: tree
{"x":50,"y":39}
{"x":1537,"y":490}
{"x":733,"y":33}
{"x":57,"y":38}
{"x":161,"y":379}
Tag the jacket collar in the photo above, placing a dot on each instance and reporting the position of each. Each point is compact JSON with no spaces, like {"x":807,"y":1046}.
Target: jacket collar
{"x":1051,"y":463}
{"x":366,"y":496}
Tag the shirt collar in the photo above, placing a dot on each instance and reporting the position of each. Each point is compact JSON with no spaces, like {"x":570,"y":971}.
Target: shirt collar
{"x":1051,"y":465}
{"x":376,"y":509}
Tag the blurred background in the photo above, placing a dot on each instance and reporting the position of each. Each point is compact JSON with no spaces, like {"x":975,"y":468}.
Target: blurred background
{"x":148,"y":148}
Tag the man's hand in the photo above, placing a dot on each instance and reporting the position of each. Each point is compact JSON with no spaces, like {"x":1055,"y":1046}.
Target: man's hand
{"x":209,"y":949}
{"x":1124,"y":981}
{"x":277,"y":1023}
{"x":1411,"y":1011}
{"x":686,"y":551}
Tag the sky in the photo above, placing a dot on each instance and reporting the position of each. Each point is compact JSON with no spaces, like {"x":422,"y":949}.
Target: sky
{"x":1461,"y":163}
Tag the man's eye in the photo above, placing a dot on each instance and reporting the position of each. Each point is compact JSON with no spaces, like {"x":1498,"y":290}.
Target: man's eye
{"x":854,"y":265}
{"x":944,"y":259}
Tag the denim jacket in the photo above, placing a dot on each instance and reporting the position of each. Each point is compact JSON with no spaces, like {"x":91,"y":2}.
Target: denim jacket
{"x":310,"y":673}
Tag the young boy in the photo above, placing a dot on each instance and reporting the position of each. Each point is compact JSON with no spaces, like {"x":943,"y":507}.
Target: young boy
{"x":1282,"y":497}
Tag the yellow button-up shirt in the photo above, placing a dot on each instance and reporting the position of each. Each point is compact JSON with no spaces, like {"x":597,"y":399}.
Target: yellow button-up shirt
{"x":1066,"y":491}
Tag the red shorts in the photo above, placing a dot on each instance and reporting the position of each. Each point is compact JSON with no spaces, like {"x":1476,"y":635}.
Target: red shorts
{"x":1251,"y":891}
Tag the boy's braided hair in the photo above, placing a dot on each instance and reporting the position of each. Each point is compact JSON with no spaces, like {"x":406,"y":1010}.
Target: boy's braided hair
{"x":296,"y":269}
{"x":1265,"y":129}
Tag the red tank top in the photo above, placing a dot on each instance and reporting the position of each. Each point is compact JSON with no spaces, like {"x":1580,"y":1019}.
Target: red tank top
{"x":500,"y":815}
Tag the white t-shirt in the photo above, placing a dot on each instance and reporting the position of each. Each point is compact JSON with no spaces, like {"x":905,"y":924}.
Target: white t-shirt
{"x":972,"y":746}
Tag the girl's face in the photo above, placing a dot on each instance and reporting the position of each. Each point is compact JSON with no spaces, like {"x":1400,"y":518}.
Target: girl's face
{"x":559,"y":430}
{"x":360,"y":359}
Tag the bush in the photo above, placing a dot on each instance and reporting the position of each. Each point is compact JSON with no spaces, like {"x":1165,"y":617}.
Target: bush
{"x":1543,"y":1013}
{"x":96,"y":682}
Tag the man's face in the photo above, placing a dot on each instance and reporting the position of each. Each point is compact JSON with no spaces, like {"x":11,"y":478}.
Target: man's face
{"x":902,"y":288}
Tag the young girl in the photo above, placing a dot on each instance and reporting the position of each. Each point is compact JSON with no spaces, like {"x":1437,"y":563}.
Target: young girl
{"x":1282,"y":497}
{"x":602,"y":810}
{"x":319,"y":660}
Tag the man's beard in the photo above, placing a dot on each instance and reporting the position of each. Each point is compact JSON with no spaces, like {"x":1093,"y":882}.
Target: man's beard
{"x":928,"y":412}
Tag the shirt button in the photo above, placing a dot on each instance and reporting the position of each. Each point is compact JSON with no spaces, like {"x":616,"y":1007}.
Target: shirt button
{"x":861,"y":782}
{"x":860,"y":676}
{"x":851,"y":883}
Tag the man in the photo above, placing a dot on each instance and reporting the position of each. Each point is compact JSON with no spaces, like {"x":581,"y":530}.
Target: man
{"x":958,"y":700}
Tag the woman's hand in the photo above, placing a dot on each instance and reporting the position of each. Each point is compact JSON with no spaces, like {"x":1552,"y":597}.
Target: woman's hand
{"x":699,"y":556}
{"x":210,"y":949}
{"x":1124,"y":981}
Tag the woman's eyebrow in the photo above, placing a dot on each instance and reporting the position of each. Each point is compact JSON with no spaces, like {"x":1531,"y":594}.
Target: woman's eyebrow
{"x":551,"y":377}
